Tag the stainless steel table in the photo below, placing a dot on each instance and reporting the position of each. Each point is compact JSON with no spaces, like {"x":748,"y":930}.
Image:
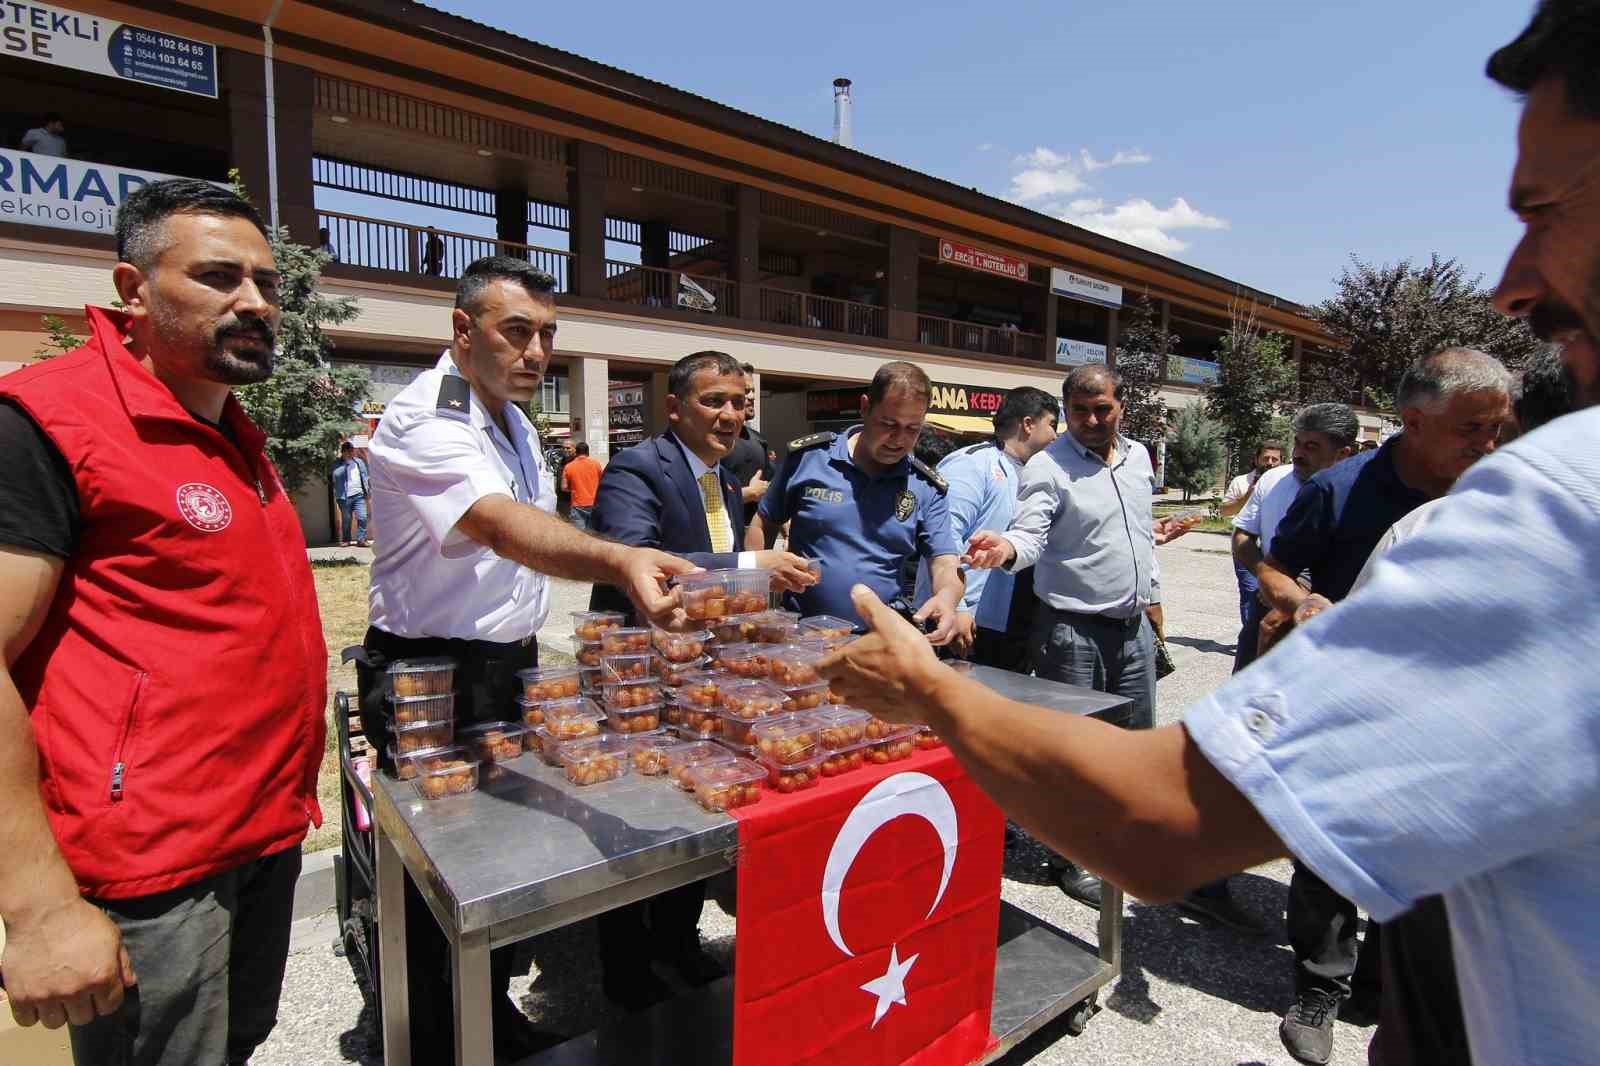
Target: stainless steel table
{"x":528,"y":852}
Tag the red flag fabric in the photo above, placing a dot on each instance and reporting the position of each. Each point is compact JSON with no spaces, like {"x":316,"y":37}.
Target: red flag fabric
{"x":869,"y":908}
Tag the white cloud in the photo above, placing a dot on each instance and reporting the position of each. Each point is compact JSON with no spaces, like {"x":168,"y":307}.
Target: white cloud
{"x":1120,"y":159}
{"x":1140,"y":222}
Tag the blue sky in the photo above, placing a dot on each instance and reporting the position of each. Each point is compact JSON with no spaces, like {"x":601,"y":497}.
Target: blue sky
{"x":1263,"y":141}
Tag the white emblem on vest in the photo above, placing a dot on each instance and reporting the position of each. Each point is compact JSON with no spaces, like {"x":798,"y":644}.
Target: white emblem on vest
{"x":204,"y":507}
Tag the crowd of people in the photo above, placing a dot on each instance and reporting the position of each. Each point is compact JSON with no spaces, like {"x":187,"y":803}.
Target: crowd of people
{"x":1408,"y":721}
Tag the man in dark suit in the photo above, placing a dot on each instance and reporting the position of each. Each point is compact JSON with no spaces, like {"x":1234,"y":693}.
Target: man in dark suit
{"x":669,"y":492}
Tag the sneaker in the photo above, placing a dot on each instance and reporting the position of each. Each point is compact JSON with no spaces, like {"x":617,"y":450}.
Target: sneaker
{"x":1307,"y":1030}
{"x":1223,"y":911}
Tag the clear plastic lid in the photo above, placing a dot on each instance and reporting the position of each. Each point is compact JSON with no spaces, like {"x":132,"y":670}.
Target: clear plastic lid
{"x":841,"y":727}
{"x":549,"y":682}
{"x":587,"y":652}
{"x":598,"y":759}
{"x":807,"y":697}
{"x":680,"y":647}
{"x":405,"y":766}
{"x":493,"y":741}
{"x":628,"y":666}
{"x":590,"y":625}
{"x":621,"y":641}
{"x":777,"y":627}
{"x":410,"y":710}
{"x":674,"y":674}
{"x":429,"y":676}
{"x":735,"y":629}
{"x":743,"y":659}
{"x":426,"y":665}
{"x":795,"y":776}
{"x":750,"y":700}
{"x":645,"y":719}
{"x":796,"y":664}
{"x":702,"y":688}
{"x":721,"y":786}
{"x":787,"y":740}
{"x":423,"y":735}
{"x":748,"y":590}
{"x":576,"y":707}
{"x":446,"y":772}
{"x":829,"y":625}
{"x":621,"y":695}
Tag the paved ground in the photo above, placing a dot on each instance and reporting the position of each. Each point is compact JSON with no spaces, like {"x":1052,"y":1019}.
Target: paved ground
{"x":1188,"y":994}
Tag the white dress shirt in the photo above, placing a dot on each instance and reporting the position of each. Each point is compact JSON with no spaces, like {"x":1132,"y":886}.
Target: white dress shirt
{"x":747,"y":560}
{"x":427,"y":466}
{"x":1268,"y":504}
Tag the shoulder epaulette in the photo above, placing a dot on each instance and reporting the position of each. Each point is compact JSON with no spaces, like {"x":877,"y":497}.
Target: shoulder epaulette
{"x":973,"y":449}
{"x":930,"y":475}
{"x":455,"y":397}
{"x":811,"y":440}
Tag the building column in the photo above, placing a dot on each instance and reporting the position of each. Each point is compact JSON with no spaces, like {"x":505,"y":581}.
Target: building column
{"x":586,"y":208}
{"x":1113,"y":331}
{"x":902,"y":295}
{"x":745,"y":252}
{"x":295,"y":91}
{"x":244,"y":82}
{"x":511,"y":212}
{"x":655,"y":248}
{"x":1166,"y":327}
{"x":1048,"y":323}
{"x":589,"y":397}
{"x":655,"y":403}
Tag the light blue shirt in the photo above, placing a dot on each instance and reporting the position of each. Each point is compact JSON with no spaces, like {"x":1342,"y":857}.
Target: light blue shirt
{"x":983,"y":494}
{"x":1438,"y":732}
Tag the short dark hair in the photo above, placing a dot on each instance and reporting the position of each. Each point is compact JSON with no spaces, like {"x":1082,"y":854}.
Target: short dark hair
{"x":582,"y":447}
{"x":1336,"y":421}
{"x":1091,"y":379}
{"x":1545,"y":392}
{"x":147,"y":208}
{"x":1562,"y":40}
{"x":907,"y":377}
{"x":1269,"y":446}
{"x":54,"y":116}
{"x":481,"y":273}
{"x":932,"y":446}
{"x":1023,"y":402}
{"x":684,"y":370}
{"x":346,"y":446}
{"x":748,"y":368}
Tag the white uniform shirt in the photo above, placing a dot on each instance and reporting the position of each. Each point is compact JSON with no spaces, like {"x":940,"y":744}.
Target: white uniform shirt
{"x":1239,"y":486}
{"x":1268,"y":504}
{"x":429,"y":462}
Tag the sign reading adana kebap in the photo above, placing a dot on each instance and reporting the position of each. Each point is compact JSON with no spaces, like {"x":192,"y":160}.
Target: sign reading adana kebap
{"x":43,"y":190}
{"x":1077,"y":286}
{"x":67,"y":38}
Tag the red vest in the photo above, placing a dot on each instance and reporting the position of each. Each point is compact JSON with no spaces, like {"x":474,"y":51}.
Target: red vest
{"x":176,"y":689}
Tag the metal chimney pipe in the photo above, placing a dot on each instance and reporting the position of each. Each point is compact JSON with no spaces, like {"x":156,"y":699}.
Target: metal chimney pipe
{"x":841,"y":111}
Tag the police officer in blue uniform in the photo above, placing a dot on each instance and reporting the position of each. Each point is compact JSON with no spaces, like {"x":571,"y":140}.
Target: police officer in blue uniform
{"x":861,"y":504}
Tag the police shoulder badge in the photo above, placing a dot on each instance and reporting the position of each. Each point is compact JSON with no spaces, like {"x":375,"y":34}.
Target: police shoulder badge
{"x":904,"y":505}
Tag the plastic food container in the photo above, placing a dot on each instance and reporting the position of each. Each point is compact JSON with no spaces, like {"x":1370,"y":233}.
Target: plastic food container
{"x":794,"y":665}
{"x":722,"y":786}
{"x":878,"y":729}
{"x":621,"y":641}
{"x":896,"y":746}
{"x":787,"y":740}
{"x":590,"y":679}
{"x":648,"y":752}
{"x":410,"y":710}
{"x":841,"y":727}
{"x":591,"y":625}
{"x":777,"y":627}
{"x":807,"y":697}
{"x":627,"y":666}
{"x":746,"y":703}
{"x":424,"y":735}
{"x":794,"y":777}
{"x":835,"y":763}
{"x":673,"y":674}
{"x":830,"y":628}
{"x":738,"y":629}
{"x":743,"y":659}
{"x":635,"y":719}
{"x":694,"y":723}
{"x":926,"y":740}
{"x":405,"y":766}
{"x":541,"y":683}
{"x":704,"y":595}
{"x":532,"y":711}
{"x":431,"y":676}
{"x":549,"y":747}
{"x":493,"y":741}
{"x":685,"y":754}
{"x":447,"y":772}
{"x":589,"y":762}
{"x":703,"y":688}
{"x":588,"y":652}
{"x":680,"y":647}
{"x":623,"y":695}
{"x":748,"y":590}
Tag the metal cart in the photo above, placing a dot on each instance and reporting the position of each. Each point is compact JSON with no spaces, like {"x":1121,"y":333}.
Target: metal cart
{"x":529,"y":852}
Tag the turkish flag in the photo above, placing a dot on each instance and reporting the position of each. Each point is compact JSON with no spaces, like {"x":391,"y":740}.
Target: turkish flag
{"x":869,"y":909}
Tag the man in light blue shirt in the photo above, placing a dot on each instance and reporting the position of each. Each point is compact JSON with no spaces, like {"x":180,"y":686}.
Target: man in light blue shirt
{"x":996,"y":608}
{"x":350,"y":491}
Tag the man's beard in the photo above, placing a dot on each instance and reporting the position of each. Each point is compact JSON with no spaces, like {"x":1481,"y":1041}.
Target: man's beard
{"x":241,"y":367}
{"x":1552,"y":318}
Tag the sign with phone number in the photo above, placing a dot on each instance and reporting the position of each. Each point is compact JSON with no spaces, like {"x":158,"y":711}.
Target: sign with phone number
{"x":66,"y":38}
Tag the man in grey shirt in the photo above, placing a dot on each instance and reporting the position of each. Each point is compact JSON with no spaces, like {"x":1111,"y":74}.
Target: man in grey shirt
{"x":48,"y":139}
{"x":1084,"y":522}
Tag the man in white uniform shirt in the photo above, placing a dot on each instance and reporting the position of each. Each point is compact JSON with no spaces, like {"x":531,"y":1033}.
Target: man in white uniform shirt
{"x":460,"y":487}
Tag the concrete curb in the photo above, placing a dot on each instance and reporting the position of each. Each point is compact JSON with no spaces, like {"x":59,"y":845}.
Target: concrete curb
{"x":316,"y":891}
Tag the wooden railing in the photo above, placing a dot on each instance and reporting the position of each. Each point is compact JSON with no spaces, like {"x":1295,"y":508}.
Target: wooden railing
{"x":645,"y":286}
{"x":972,"y":337}
{"x":821,"y":312}
{"x":381,"y":245}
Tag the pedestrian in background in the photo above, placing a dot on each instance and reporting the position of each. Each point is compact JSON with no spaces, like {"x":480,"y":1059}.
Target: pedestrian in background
{"x":580,"y":477}
{"x":351,"y":490}
{"x":1268,"y":456}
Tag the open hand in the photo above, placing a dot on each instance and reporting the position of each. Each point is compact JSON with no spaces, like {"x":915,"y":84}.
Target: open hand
{"x":790,"y":572}
{"x":886,"y":670}
{"x":645,"y":574}
{"x":988,"y":550}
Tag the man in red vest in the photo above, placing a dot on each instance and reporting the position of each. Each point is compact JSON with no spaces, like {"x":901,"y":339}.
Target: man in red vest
{"x":162,"y":692}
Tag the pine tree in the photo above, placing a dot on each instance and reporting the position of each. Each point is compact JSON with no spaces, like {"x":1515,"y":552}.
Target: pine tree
{"x":1141,"y":348}
{"x":1255,"y":380}
{"x":1195,"y":451}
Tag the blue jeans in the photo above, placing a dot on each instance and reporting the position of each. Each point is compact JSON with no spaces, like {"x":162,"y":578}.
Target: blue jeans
{"x":1247,"y":591}
{"x":353,"y":507}
{"x":582,"y":517}
{"x":1099,"y":653}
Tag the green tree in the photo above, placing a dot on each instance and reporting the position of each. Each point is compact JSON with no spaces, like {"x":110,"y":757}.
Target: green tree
{"x":1141,"y":347}
{"x":59,"y":338}
{"x":1194,"y":452}
{"x":1390,"y":316}
{"x":1255,"y":380}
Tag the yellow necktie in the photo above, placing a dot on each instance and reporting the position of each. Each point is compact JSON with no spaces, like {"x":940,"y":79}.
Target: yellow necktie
{"x":716,"y":515}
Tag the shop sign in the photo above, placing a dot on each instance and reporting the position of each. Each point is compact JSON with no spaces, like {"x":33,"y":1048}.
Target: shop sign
{"x":1077,"y":353}
{"x":949,"y":398}
{"x":981,"y":259}
{"x":1191,"y":371}
{"x":629,"y":396}
{"x":44,"y":190}
{"x":66,"y":38}
{"x":1075,"y":286}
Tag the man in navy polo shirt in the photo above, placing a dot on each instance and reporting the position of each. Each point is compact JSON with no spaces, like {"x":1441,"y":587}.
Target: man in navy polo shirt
{"x":862,"y":504}
{"x":1452,"y":404}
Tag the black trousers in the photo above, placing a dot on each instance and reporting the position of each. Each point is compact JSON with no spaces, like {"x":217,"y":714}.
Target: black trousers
{"x":1003,"y":651}
{"x":1420,"y":1020}
{"x":1244,"y":652}
{"x":661,"y":927}
{"x":1322,"y":934}
{"x":486,"y":691}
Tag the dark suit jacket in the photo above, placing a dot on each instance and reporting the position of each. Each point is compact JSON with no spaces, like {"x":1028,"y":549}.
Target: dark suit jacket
{"x":648,"y":498}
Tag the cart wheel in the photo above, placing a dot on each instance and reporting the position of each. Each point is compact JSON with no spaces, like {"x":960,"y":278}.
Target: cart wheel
{"x":1079,"y":1013}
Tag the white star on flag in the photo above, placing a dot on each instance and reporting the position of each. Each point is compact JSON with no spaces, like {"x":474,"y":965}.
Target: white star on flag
{"x":891,"y":987}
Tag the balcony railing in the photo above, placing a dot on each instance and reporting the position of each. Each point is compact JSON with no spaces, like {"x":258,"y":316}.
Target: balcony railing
{"x":370,"y":242}
{"x":821,"y":312}
{"x":645,"y":286}
{"x":972,"y":337}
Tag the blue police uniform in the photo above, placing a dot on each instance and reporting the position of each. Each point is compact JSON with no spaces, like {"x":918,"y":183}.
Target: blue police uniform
{"x":860,"y":526}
